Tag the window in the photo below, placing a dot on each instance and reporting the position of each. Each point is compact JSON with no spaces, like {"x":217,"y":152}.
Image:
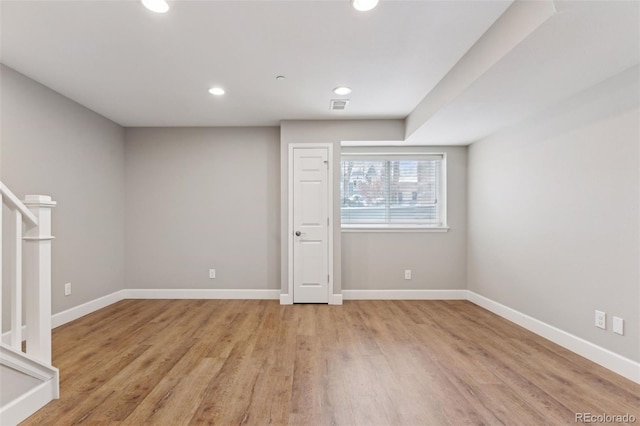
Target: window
{"x":392,"y":190}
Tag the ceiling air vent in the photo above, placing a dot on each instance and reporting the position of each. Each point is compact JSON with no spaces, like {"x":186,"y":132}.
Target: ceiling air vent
{"x":339,"y":104}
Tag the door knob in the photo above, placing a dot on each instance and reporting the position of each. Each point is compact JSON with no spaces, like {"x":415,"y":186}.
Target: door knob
{"x":298,"y":233}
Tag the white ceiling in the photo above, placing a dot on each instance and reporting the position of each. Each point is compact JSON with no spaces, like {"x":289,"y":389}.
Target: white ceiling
{"x":582,"y":44}
{"x":143,"y":69}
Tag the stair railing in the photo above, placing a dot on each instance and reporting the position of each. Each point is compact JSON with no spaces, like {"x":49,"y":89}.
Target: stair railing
{"x":34,"y":215}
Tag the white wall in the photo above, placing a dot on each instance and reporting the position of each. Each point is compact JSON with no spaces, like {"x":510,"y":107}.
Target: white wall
{"x":201,"y":198}
{"x":554,"y":215}
{"x":54,"y":146}
{"x":377,"y":260}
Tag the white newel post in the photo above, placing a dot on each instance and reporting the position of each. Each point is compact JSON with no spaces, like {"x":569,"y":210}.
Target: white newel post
{"x":37,"y":278}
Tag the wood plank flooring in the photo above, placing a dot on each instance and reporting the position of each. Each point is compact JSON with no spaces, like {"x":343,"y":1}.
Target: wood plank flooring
{"x":255,"y":362}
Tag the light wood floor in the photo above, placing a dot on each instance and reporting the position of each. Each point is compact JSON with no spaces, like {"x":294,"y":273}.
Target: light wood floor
{"x":363,"y":363}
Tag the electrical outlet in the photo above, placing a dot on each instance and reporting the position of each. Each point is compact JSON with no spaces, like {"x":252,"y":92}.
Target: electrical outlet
{"x":407,"y":274}
{"x":212,"y":273}
{"x":67,"y":289}
{"x":601,"y":320}
{"x":618,"y":325}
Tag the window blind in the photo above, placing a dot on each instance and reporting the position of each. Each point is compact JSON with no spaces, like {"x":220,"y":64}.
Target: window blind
{"x":387,"y":190}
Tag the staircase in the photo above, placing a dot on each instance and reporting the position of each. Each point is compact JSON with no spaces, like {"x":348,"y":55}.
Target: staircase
{"x":28,"y":381}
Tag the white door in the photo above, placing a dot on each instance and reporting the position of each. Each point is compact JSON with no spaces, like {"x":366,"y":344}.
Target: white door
{"x":310,"y":225}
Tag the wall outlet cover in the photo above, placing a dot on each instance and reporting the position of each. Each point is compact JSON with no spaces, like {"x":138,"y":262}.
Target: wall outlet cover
{"x":601,"y":320}
{"x":618,"y":325}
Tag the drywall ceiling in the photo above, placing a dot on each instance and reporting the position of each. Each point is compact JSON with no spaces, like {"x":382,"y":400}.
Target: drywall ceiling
{"x":144,"y":69}
{"x":582,"y":44}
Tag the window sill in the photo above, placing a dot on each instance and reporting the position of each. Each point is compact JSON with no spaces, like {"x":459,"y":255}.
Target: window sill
{"x":397,"y":228}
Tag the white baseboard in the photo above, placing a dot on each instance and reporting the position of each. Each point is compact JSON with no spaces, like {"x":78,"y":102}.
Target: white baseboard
{"x":286,"y":299}
{"x":86,"y":308}
{"x":335,"y":299}
{"x":76,"y":312}
{"x":404,"y":294}
{"x":604,"y":357}
{"x":205,"y":293}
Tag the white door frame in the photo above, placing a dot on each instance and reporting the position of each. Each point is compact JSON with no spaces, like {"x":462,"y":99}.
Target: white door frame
{"x":288,"y":298}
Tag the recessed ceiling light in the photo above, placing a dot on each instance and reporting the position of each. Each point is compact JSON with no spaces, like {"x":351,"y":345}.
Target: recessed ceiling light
{"x":218,"y":91}
{"x":158,"y":6}
{"x":342,"y":90}
{"x":364,"y":5}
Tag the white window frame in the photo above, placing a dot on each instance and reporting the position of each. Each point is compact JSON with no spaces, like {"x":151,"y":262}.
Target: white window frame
{"x":389,"y":156}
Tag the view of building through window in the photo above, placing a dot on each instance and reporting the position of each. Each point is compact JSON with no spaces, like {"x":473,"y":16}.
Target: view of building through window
{"x":387,"y":191}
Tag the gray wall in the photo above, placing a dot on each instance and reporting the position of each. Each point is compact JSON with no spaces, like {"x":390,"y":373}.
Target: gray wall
{"x":377,"y":260}
{"x":554,"y":215}
{"x":201,"y":198}
{"x":54,"y":146}
{"x":553,"y":207}
{"x":327,"y":132}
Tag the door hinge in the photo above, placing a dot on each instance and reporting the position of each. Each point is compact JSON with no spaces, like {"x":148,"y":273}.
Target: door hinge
{"x":327,"y":221}
{"x":328,"y":278}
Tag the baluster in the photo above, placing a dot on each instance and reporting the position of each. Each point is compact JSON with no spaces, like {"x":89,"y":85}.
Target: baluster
{"x":1,"y":241}
{"x":16,"y":282}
